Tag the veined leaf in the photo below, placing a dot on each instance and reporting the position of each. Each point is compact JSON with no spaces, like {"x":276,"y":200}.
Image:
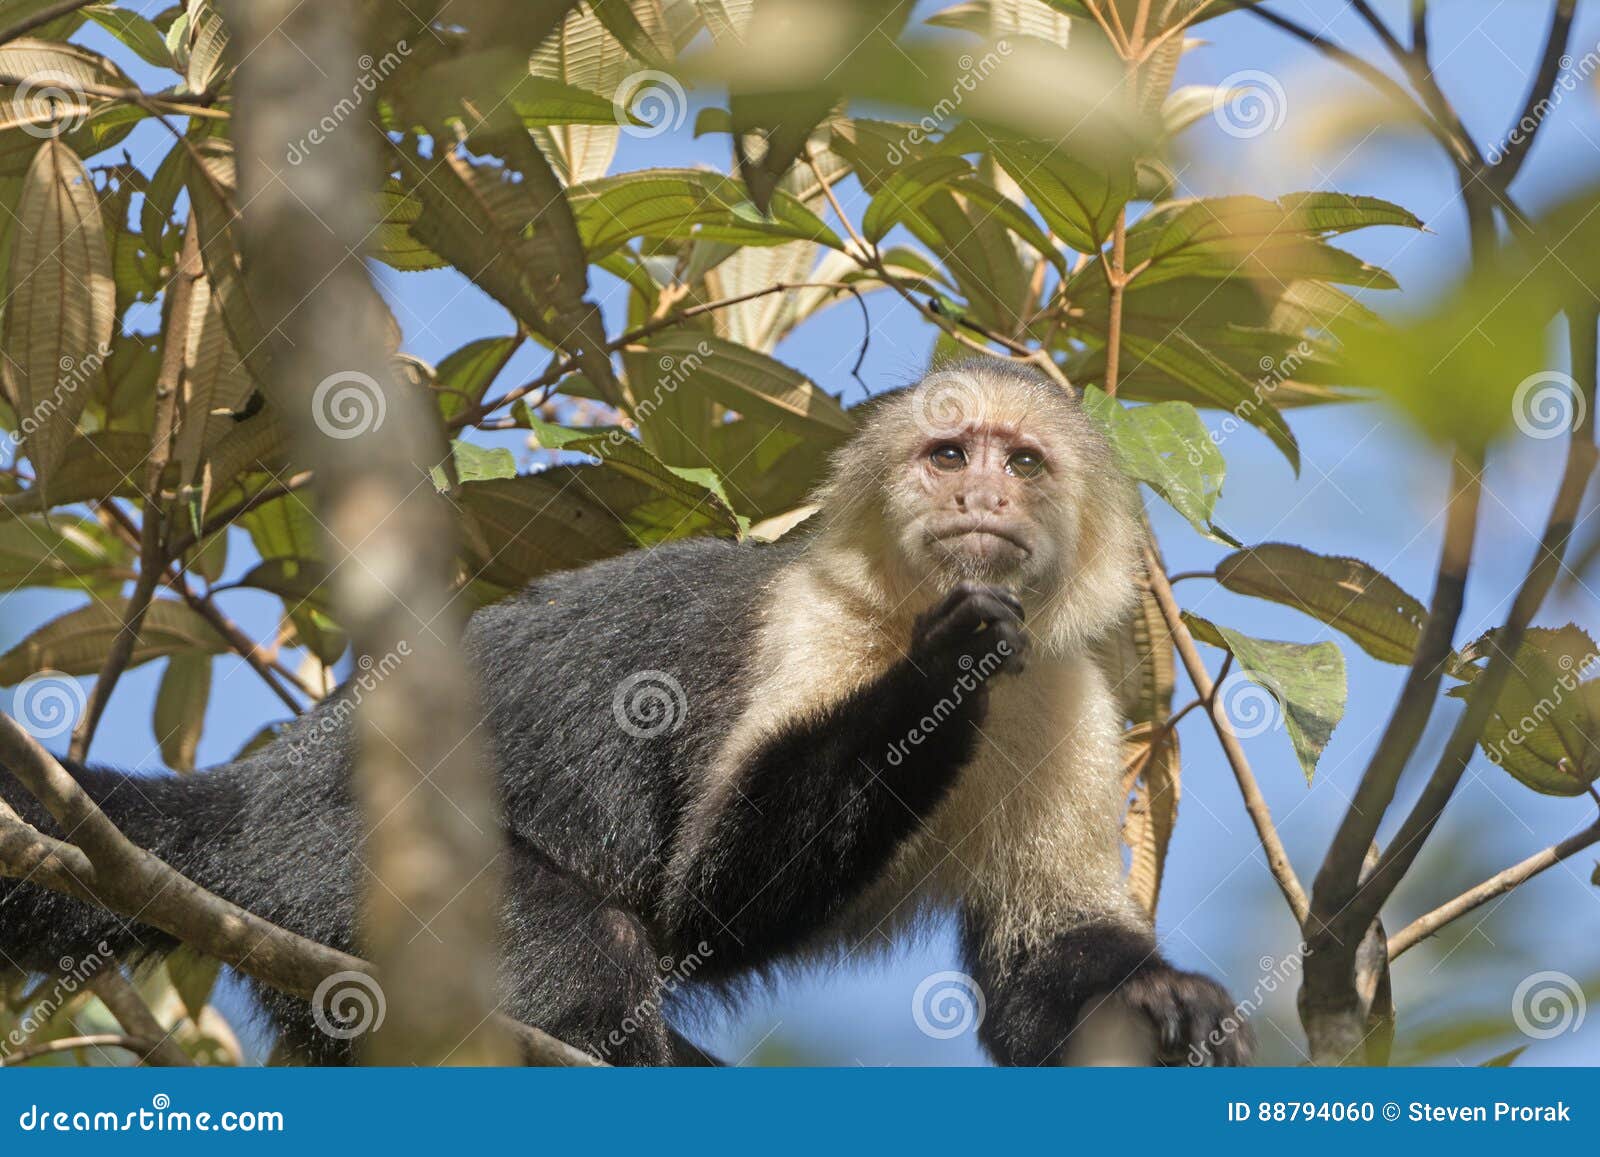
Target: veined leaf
{"x":76,"y":642}
{"x":62,"y":310}
{"x":1079,"y":202}
{"x":1214,"y":382}
{"x":751,"y":383}
{"x":215,"y":385}
{"x":1168,"y":448}
{"x":53,"y":101}
{"x":134,"y":31}
{"x":1306,"y":680}
{"x":1345,"y":593}
{"x":1545,"y":727}
{"x":1152,"y":779}
{"x":67,"y":551}
{"x":907,"y":189}
{"x":697,"y":490}
{"x":680,"y":203}
{"x":465,"y":375}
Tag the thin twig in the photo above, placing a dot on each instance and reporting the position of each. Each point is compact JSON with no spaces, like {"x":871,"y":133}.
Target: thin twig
{"x":1497,"y":885}
{"x":100,"y":1040}
{"x":119,"y":995}
{"x":1519,"y":142}
{"x":1255,"y":803}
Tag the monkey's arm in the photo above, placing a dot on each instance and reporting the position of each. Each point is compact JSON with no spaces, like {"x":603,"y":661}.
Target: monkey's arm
{"x":820,"y":807}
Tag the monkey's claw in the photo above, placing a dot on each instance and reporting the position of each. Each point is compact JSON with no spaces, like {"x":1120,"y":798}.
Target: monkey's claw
{"x":1196,"y":1021}
{"x":975,"y":627}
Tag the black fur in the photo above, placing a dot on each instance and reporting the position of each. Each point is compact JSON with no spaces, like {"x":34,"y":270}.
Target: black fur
{"x":602,"y":906}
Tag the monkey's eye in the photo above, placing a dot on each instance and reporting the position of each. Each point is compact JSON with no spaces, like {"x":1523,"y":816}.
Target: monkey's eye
{"x":948,"y":457}
{"x":1025,"y":464}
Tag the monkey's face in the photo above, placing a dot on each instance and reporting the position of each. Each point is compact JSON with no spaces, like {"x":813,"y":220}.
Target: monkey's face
{"x":982,"y":497}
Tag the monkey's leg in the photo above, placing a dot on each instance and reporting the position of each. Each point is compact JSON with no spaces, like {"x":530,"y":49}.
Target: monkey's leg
{"x":1036,"y":996}
{"x":579,"y":966}
{"x":818,"y":810}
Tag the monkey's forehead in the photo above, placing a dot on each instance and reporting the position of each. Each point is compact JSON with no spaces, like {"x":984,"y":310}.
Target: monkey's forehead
{"x":966,"y":397}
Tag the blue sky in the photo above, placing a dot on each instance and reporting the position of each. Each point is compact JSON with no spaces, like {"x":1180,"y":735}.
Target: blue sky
{"x":1368,"y":488}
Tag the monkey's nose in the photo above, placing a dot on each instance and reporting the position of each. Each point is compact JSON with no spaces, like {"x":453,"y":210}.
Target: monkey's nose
{"x":983,"y":500}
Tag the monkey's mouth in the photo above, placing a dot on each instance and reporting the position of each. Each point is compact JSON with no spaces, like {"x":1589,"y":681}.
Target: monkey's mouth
{"x":994,"y":544}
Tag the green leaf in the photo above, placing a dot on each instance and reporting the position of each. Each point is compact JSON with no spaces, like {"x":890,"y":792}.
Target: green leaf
{"x":1168,"y":448}
{"x":1215,"y":382}
{"x":194,"y":976}
{"x":59,"y":321}
{"x":1545,"y":727}
{"x":1307,"y":681}
{"x":464,"y":376}
{"x":181,"y":708}
{"x":54,"y":101}
{"x":76,"y":643}
{"x":697,"y":491}
{"x":1079,"y":202}
{"x":134,"y":31}
{"x":67,"y":551}
{"x":908,"y":188}
{"x":558,"y":519}
{"x":295,"y":580}
{"x":475,"y":463}
{"x":749,"y":383}
{"x":1345,"y":593}
{"x":684,"y":203}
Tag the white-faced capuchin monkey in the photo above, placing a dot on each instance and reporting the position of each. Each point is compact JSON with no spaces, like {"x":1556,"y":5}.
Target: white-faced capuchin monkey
{"x":759,"y":754}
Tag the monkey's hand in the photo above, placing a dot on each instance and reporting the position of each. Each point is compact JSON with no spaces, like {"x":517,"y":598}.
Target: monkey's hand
{"x":1194,"y":1020}
{"x":974,"y":628}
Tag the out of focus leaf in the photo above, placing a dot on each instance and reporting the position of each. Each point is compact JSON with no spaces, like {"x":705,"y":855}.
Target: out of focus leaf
{"x":76,"y":642}
{"x":181,"y":708}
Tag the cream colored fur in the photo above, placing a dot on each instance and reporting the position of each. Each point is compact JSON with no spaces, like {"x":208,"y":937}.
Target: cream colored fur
{"x":1029,"y":833}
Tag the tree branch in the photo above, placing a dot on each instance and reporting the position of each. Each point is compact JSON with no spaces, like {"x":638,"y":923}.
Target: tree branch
{"x":1255,"y":803}
{"x":391,"y":540}
{"x":105,"y":868}
{"x":1518,"y":143}
{"x":139,"y":1047}
{"x":1497,"y":885}
{"x":135,"y":1017}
